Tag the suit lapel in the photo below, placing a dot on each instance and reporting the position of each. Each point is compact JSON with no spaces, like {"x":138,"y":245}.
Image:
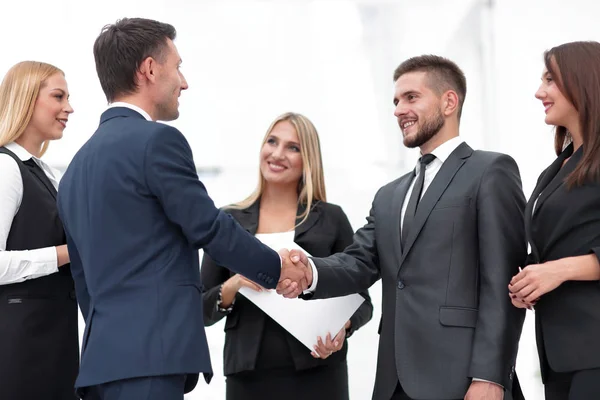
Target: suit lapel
{"x":556,"y":174}
{"x":435,"y":190}
{"x":311,"y":220}
{"x":249,"y":217}
{"x":397,"y":202}
{"x":37,"y":171}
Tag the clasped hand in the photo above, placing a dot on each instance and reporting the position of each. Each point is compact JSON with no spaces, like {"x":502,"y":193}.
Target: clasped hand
{"x":296,"y":273}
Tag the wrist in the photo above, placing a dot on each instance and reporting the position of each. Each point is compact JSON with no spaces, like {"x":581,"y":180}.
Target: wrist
{"x":564,"y":268}
{"x":223,"y":305}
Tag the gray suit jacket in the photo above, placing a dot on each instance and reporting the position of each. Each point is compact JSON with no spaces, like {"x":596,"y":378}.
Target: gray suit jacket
{"x":446,"y":315}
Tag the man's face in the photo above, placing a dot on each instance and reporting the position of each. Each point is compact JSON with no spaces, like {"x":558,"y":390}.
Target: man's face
{"x":170,"y":84}
{"x":417,"y":109}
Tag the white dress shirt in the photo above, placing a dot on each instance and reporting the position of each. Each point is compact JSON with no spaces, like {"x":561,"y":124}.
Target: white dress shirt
{"x":20,"y":265}
{"x":441,"y":153}
{"x":131,"y":107}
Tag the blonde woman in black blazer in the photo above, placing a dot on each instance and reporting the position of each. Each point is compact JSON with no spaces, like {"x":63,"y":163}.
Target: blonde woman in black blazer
{"x":562,"y":221}
{"x":261,"y":359}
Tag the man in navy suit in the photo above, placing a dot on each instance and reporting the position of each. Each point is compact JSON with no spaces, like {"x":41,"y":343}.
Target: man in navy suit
{"x":135,"y":215}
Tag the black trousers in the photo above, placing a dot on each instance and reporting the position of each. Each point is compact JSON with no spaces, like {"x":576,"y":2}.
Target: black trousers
{"x":148,"y":388}
{"x":399,"y":394}
{"x":578,"y":385}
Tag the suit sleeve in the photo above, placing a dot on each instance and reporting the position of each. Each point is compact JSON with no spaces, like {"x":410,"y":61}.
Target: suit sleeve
{"x":344,"y":239}
{"x":352,"y":271}
{"x":502,"y":249}
{"x":213,"y":276}
{"x":81,"y":289}
{"x":171,"y":177}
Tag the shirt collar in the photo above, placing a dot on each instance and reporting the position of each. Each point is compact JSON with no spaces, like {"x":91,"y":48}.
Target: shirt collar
{"x":132,"y":107}
{"x":20,"y":152}
{"x":443,"y":151}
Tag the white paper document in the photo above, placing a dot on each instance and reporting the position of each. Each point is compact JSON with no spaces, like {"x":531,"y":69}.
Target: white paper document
{"x":304,"y":319}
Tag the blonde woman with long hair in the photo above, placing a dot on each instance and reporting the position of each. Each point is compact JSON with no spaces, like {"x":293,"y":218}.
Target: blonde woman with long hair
{"x":39,"y":343}
{"x":261,"y":359}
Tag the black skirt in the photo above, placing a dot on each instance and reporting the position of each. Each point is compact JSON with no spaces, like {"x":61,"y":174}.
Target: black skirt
{"x":329,"y":382}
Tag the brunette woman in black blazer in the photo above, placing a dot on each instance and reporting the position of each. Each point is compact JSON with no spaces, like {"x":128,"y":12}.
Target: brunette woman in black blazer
{"x":261,"y":359}
{"x":562,"y":222}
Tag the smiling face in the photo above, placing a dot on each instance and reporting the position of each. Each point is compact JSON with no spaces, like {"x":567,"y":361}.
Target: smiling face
{"x":170,"y":83}
{"x":51,"y":110}
{"x":559,"y":110}
{"x":417,"y":109}
{"x":280,"y":157}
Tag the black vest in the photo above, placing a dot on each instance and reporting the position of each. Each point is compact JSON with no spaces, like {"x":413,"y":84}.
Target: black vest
{"x":39,"y":342}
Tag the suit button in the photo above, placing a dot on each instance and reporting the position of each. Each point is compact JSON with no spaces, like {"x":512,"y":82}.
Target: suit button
{"x":72,"y":295}
{"x":260,"y":275}
{"x":400,"y":285}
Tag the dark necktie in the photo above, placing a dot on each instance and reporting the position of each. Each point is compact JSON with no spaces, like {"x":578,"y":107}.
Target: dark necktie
{"x":413,"y":202}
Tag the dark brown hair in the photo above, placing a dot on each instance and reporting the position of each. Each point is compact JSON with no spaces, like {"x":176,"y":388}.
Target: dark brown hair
{"x":575,"y":68}
{"x":442,"y":75}
{"x":122,"y":47}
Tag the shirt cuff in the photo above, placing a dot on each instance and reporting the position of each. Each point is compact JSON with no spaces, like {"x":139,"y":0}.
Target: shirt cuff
{"x":315,"y":278}
{"x":483,"y":380}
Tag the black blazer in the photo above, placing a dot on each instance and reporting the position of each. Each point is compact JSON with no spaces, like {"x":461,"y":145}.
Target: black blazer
{"x":325,"y":232}
{"x":566,"y":223}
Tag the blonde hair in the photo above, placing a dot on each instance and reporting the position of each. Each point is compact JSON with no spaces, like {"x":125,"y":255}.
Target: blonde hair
{"x":311,"y":187}
{"x":18,"y":93}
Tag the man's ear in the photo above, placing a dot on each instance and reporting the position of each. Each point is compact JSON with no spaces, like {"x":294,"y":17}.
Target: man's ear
{"x":449,"y":102}
{"x":147,"y":70}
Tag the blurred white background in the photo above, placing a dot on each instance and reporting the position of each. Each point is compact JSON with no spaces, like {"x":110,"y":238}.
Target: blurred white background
{"x":248,"y":61}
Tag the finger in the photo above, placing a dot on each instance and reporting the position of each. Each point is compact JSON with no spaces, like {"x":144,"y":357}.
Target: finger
{"x":526,"y":291}
{"x":532,"y":297}
{"x":518,"y":303}
{"x":517,"y":277}
{"x":315,"y":355}
{"x":321,"y":349}
{"x":291,"y":289}
{"x":298,"y":256}
{"x":284,"y":253}
{"x":283,"y":285}
{"x":251,"y":285}
{"x":520,"y":284}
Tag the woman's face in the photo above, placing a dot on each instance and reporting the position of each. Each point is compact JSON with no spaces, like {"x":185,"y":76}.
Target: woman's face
{"x":280,"y":157}
{"x":51,"y":110}
{"x":559,"y":110}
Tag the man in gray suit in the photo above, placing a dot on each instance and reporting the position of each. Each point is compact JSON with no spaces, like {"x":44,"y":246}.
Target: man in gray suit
{"x":445,"y":239}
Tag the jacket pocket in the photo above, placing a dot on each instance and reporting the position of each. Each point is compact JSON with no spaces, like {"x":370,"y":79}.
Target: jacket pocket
{"x":453,"y":202}
{"x":458,"y":316}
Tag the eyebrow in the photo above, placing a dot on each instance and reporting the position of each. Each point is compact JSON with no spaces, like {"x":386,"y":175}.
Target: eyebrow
{"x":404,"y":94}
{"x":278,"y":138}
{"x":61,"y":90}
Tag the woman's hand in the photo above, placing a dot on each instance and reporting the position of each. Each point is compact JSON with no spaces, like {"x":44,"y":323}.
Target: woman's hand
{"x":535,"y":281}
{"x":233,"y":285}
{"x":325,"y":348}
{"x":62,"y":255}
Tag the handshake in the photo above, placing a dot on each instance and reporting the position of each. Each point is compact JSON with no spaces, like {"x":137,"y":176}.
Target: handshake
{"x":296,"y":273}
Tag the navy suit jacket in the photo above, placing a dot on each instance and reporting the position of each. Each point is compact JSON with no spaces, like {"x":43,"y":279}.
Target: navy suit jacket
{"x":135,"y":215}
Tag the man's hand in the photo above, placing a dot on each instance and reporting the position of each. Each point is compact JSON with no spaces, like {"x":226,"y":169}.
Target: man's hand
{"x":294,"y":278}
{"x":484,"y":391}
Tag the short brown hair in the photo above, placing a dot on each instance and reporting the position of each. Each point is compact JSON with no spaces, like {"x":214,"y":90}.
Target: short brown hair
{"x":578,"y":79}
{"x":442,"y":74}
{"x":122,"y":47}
